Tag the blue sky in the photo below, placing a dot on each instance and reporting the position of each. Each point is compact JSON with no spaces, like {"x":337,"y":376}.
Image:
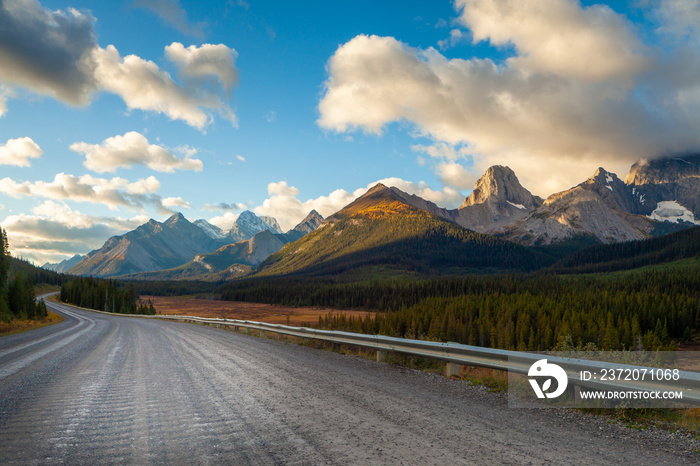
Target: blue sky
{"x":116,"y":112}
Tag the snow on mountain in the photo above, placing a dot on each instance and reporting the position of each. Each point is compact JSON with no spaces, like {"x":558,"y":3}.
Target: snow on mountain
{"x":248,"y":225}
{"x":212,"y":230}
{"x":672,"y":211}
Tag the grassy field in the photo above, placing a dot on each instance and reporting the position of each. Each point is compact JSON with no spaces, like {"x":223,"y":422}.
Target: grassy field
{"x":23,"y":325}
{"x":270,"y":313}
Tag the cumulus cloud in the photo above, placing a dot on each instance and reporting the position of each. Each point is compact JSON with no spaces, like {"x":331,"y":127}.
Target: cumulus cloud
{"x":55,"y":53}
{"x":54,"y":232}
{"x":144,"y":86}
{"x":558,"y":37}
{"x":113,"y":193}
{"x":48,"y":52}
{"x":172,"y":13}
{"x":205,"y":62}
{"x":456,"y":175}
{"x":133,"y":149}
{"x":18,"y":151}
{"x":581,"y":91}
{"x":284,"y":204}
{"x":173,"y":202}
{"x":225,"y":221}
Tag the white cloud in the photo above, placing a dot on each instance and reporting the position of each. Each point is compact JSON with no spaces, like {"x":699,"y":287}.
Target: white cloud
{"x":55,"y":53}
{"x":54,"y":232}
{"x":144,"y":86}
{"x":283,"y":202}
{"x":172,"y":202}
{"x":581,"y":91}
{"x":225,"y":222}
{"x":113,"y":193}
{"x":456,"y":175}
{"x":559,"y":37}
{"x":133,"y":149}
{"x":18,"y":151}
{"x":241,"y":158}
{"x":208,"y":61}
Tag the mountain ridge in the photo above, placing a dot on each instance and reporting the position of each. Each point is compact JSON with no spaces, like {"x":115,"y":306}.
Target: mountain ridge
{"x":382,"y":230}
{"x":654,"y":199}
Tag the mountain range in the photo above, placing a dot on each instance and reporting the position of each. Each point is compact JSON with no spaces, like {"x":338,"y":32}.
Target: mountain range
{"x":156,"y":246}
{"x":388,"y":227}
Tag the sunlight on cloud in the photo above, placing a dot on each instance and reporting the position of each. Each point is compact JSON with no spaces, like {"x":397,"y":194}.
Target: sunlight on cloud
{"x":18,"y":151}
{"x":205,"y":62}
{"x":113,"y":193}
{"x":582,"y":91}
{"x":558,"y":37}
{"x":225,"y":222}
{"x":144,"y":86}
{"x":172,"y":202}
{"x":55,"y":53}
{"x":54,"y":231}
{"x":456,"y":175}
{"x":133,"y":149}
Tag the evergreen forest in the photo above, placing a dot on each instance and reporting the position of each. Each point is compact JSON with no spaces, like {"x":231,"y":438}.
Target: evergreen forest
{"x":17,"y":300}
{"x":104,"y":295}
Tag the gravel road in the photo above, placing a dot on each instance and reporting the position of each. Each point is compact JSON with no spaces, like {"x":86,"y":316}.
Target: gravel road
{"x":98,"y":389}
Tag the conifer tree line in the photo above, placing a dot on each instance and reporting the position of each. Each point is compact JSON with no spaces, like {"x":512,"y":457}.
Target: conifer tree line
{"x":631,"y":310}
{"x":17,"y":300}
{"x":104,"y":295}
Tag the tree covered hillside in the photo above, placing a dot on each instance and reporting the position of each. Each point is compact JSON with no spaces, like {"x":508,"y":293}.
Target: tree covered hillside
{"x":389,"y":234}
{"x":17,"y":300}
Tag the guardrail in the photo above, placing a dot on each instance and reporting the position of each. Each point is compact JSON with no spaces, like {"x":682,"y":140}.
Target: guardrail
{"x":456,"y":354}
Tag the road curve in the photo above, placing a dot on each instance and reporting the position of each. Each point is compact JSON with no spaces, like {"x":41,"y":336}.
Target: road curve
{"x":100,"y":389}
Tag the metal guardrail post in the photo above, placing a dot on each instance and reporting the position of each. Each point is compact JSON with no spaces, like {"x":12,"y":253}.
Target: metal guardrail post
{"x":452,"y":369}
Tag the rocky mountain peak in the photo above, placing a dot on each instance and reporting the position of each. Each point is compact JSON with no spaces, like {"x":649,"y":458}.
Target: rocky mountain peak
{"x":500,"y":186}
{"x":246,"y":216}
{"x":271,"y":222}
{"x":661,"y":180}
{"x":380,"y":193}
{"x":212,"y":230}
{"x":248,"y":224}
{"x":174,"y":218}
{"x":376,"y":188}
{"x":604,"y":178}
{"x":663,"y":170}
{"x":310,"y":223}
